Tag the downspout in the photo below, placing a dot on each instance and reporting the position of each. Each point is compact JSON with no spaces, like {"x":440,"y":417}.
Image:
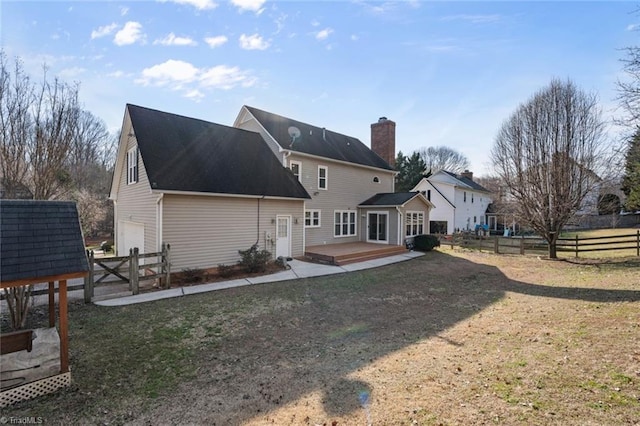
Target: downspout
{"x":115,"y":227}
{"x":159,"y":221}
{"x":399,"y":225}
{"x":258,"y":222}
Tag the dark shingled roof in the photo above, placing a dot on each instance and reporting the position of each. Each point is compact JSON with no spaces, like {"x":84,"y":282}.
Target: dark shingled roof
{"x":40,"y":239}
{"x":468,"y":182}
{"x":318,"y":141}
{"x":390,"y":199}
{"x":187,"y":154}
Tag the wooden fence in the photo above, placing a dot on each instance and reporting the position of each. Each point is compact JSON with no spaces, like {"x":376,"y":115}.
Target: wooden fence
{"x":126,"y":270}
{"x":607,"y":243}
{"x":537,"y":245}
{"x":120,"y":270}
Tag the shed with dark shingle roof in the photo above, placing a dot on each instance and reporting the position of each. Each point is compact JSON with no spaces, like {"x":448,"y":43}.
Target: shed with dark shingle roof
{"x":40,"y":242}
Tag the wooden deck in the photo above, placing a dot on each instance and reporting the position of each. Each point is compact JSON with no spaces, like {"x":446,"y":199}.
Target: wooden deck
{"x":342,"y":254}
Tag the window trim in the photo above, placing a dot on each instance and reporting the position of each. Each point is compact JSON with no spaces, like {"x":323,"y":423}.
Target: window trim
{"x":299,"y":164}
{"x":132,"y":167}
{"x":350,"y":225}
{"x":411,"y":229}
{"x":312,"y":219}
{"x":326,"y":177}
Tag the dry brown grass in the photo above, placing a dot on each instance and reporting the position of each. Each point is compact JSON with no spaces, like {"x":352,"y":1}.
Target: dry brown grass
{"x":454,"y":337}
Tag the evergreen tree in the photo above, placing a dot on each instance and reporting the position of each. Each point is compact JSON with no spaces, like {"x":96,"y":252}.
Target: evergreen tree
{"x":631,"y":179}
{"x":410,"y":171}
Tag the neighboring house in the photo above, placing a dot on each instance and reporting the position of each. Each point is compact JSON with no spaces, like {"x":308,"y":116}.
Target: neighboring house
{"x":208,"y":190}
{"x":460,"y":203}
{"x":351,"y":186}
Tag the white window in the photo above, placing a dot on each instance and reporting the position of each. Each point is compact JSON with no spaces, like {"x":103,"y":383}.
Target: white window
{"x":312,"y":218}
{"x":132,"y":166}
{"x":472,"y":197}
{"x":322,"y":177}
{"x":344,"y":223}
{"x":415,"y":223}
{"x":296,"y":169}
{"x":465,"y":197}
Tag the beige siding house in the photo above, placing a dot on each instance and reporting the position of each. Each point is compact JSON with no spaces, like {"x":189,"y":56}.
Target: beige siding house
{"x":341,"y":174}
{"x":208,"y":190}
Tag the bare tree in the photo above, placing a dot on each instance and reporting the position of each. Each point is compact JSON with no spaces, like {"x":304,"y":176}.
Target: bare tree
{"x":548,"y":154}
{"x":443,"y":158}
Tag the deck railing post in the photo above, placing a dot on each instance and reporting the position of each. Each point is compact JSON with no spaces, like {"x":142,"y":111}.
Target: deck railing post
{"x":638,"y":243}
{"x":133,"y":270}
{"x":577,"y":245}
{"x":166,"y":264}
{"x":88,"y":280}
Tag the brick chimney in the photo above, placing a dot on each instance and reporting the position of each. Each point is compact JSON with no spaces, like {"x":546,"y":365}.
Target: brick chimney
{"x":383,"y":140}
{"x":467,"y":174}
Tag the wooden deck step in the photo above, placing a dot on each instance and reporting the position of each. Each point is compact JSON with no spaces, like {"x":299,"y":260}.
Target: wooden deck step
{"x":343,"y":255}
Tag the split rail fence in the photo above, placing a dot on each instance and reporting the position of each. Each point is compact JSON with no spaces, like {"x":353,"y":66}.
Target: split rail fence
{"x":106,"y":271}
{"x":536,"y":245}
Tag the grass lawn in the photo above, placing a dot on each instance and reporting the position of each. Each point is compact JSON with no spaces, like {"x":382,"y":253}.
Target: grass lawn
{"x":453,"y":337}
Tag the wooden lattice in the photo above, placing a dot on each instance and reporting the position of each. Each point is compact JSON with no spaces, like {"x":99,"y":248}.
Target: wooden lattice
{"x":34,"y":389}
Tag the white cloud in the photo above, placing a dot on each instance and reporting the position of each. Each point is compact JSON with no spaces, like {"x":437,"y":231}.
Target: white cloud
{"x":315,"y":23}
{"x":172,"y":40}
{"x":198,"y":4}
{"x":103,"y":31}
{"x":171,"y":71}
{"x":180,"y":75}
{"x":253,"y":42}
{"x":216,"y":41}
{"x":124,"y":10}
{"x":116,"y":74}
{"x":474,"y":19}
{"x":224,"y":77}
{"x":250,"y":5}
{"x":131,"y":33}
{"x":354,"y":37}
{"x":633,"y":27}
{"x":323,"y":34}
{"x":195,"y":95}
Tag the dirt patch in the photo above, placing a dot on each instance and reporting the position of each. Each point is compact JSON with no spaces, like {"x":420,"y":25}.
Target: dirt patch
{"x":453,"y":337}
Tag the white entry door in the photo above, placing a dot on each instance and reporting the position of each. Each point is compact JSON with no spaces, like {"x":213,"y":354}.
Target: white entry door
{"x":283,"y":236}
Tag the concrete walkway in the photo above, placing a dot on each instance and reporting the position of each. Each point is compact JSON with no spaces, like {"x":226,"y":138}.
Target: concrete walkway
{"x":299,"y":269}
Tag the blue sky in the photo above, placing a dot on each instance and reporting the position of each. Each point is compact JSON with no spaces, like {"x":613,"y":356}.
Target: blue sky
{"x":448,"y":73}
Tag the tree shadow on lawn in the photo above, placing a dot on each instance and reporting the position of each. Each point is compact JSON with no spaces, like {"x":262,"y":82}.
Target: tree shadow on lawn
{"x":335,"y":326}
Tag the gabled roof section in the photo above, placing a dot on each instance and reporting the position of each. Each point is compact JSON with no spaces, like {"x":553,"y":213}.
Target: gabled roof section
{"x":186,"y":154}
{"x":40,"y":240}
{"x":465,"y":181}
{"x":390,"y":199}
{"x":308,"y":139}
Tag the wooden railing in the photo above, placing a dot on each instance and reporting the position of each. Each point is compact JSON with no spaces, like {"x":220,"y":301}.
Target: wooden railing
{"x":537,"y":245}
{"x":127,"y":269}
{"x":120,"y":270}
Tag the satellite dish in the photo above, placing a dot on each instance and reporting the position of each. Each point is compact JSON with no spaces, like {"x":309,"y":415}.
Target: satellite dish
{"x":294,"y":133}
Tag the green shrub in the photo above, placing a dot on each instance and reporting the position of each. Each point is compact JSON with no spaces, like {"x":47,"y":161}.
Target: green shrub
{"x":225,"y":271}
{"x":195,"y":275}
{"x":425,"y":242}
{"x":254,"y":260}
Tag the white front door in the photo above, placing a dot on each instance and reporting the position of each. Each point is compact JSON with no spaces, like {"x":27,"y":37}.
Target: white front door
{"x":378,"y":227}
{"x":283,"y":236}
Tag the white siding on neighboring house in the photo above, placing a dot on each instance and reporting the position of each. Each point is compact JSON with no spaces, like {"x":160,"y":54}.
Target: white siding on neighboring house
{"x":135,"y":203}
{"x":206,"y":231}
{"x":347,"y":186}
